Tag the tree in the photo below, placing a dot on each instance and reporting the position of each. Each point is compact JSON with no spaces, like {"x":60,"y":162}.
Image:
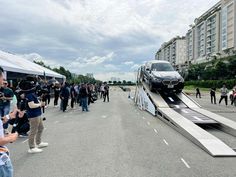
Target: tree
{"x":110,"y":82}
{"x":124,"y":82}
{"x":129,"y":82}
{"x":114,"y":82}
{"x":221,"y":70}
{"x":227,"y":51}
{"x":232,"y":68}
{"x":41,"y":63}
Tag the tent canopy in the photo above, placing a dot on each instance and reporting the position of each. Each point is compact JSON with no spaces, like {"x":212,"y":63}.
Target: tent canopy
{"x":14,"y":63}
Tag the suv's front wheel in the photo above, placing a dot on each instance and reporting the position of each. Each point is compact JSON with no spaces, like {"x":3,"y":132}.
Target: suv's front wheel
{"x":151,"y":86}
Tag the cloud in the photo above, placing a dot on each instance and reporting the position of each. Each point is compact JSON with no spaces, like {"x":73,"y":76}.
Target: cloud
{"x":111,"y":67}
{"x":135,"y":67}
{"x":85,"y":36}
{"x":128,"y":63}
{"x":128,"y":76}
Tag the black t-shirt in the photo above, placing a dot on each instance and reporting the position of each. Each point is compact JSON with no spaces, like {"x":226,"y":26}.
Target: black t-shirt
{"x":72,"y":92}
{"x":83,"y":92}
{"x":33,"y":112}
{"x":106,"y":88}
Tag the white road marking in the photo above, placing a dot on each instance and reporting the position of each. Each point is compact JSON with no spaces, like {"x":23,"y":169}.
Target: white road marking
{"x":195,"y":117}
{"x":185,"y":163}
{"x":166,"y":142}
{"x":171,"y":99}
{"x":185,"y":111}
{"x":25,"y":141}
{"x":56,"y":122}
{"x":155,"y":130}
{"x":104,"y":116}
{"x":148,"y":123}
{"x":177,"y":106}
{"x":143,"y":118}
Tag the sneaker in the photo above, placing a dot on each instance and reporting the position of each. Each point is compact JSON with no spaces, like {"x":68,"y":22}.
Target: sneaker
{"x":35,"y":150}
{"x":42,"y":145}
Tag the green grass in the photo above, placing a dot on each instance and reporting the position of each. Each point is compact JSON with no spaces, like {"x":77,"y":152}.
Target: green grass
{"x":192,"y":88}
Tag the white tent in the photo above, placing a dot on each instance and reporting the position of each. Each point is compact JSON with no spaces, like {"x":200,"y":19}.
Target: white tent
{"x":14,"y":63}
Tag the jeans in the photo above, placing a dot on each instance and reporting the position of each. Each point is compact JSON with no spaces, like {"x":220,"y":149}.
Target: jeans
{"x":56,"y":100}
{"x":84,"y":103}
{"x":6,"y":170}
{"x":225,"y":98}
{"x":106,"y":95}
{"x":72,"y":102}
{"x":213,"y":98}
{"x":64,"y":104}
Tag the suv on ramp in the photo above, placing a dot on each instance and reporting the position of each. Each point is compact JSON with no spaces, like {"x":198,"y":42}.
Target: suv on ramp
{"x":161,"y":76}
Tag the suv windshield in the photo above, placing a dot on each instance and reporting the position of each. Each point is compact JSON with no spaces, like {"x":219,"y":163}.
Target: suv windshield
{"x":162,"y":67}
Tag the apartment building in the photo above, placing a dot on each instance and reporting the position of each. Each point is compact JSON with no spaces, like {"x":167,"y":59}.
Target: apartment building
{"x":211,"y":35}
{"x":203,"y":39}
{"x":173,"y":51}
{"x":228,"y":24}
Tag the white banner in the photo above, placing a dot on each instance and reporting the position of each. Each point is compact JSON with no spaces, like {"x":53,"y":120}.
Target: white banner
{"x":144,"y":102}
{"x":147,"y":103}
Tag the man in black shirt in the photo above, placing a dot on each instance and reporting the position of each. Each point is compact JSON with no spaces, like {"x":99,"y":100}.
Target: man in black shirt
{"x":106,"y":92}
{"x":65,"y":94}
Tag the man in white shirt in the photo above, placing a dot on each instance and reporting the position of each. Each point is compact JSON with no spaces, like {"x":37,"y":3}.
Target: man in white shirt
{"x":6,"y":169}
{"x":224,"y":92}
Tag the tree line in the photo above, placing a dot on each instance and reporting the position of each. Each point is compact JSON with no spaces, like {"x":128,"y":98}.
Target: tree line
{"x":214,"y":73}
{"x":220,"y":69}
{"x":70,"y":77}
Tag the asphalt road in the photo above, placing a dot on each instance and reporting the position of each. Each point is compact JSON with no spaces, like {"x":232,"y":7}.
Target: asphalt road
{"x":116,"y":139}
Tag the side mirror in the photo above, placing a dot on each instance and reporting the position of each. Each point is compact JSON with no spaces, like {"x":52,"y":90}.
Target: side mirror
{"x":147,"y":69}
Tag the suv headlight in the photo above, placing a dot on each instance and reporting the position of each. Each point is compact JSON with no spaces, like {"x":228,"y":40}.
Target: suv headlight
{"x":181,"y":79}
{"x":157,"y":79}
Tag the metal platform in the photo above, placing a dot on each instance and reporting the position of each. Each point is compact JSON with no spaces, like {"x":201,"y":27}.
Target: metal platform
{"x":182,"y":113}
{"x":179,"y":106}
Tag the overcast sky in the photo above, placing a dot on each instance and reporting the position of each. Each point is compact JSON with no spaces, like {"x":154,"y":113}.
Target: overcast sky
{"x":109,"y":38}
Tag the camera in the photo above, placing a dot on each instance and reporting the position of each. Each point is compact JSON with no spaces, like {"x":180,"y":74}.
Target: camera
{"x":1,"y":94}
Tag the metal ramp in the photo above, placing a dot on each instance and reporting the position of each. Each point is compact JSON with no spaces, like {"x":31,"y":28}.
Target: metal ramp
{"x":182,"y":108}
{"x":184,"y":122}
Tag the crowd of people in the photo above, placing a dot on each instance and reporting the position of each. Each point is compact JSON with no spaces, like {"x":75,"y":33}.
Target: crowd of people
{"x":23,"y":111}
{"x":82,"y":94}
{"x":225,"y":94}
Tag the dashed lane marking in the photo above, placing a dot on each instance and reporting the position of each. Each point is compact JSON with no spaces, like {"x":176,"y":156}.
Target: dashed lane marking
{"x":148,"y":123}
{"x":185,"y":111}
{"x":171,"y":99}
{"x":185,"y":163}
{"x":56,"y":122}
{"x":177,"y":106}
{"x":166,"y":142}
{"x":195,"y":117}
{"x":155,"y":130}
{"x":104,"y":116}
{"x":143,"y":118}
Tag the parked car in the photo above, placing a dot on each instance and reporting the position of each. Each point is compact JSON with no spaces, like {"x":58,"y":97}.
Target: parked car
{"x":161,"y":76}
